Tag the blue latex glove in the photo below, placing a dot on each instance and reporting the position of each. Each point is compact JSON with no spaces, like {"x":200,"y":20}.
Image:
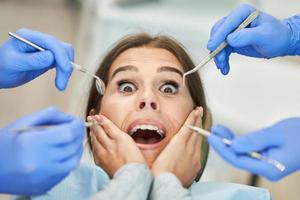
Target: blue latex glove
{"x":33,"y":162}
{"x":266,"y":37}
{"x":21,"y":63}
{"x":280,"y":142}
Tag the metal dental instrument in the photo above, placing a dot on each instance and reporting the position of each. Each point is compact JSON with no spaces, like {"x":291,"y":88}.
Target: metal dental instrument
{"x":252,"y":154}
{"x":100,"y":86}
{"x":43,"y":127}
{"x":211,"y":55}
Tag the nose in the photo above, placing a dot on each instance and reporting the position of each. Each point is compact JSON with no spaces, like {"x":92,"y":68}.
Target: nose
{"x":148,"y":100}
{"x":144,"y":104}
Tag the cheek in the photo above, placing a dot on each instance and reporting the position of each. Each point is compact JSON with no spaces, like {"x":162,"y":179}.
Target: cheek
{"x":177,"y":111}
{"x":116,"y":108}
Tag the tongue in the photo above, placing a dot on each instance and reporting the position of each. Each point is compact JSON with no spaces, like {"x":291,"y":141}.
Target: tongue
{"x":146,"y":141}
{"x":146,"y":137}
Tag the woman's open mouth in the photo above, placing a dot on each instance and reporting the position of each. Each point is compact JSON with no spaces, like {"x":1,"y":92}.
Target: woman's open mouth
{"x":146,"y":134}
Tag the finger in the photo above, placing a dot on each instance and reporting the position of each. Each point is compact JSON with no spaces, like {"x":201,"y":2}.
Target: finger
{"x":258,"y":167}
{"x":92,"y":134}
{"x":258,"y":141}
{"x":62,"y":61}
{"x":220,"y":59}
{"x":67,"y":166}
{"x":100,"y":135}
{"x":98,"y":150}
{"x":198,"y":146}
{"x":48,"y":116}
{"x":184,"y":133}
{"x":222,"y":149}
{"x":69,"y":49}
{"x":216,"y":26}
{"x":232,"y":21}
{"x":110,"y":128}
{"x":70,"y":132}
{"x":243,"y":161}
{"x":226,"y":67}
{"x":247,"y":37}
{"x":222,"y":131}
{"x":34,"y":61}
{"x":65,"y":152}
{"x":195,"y":137}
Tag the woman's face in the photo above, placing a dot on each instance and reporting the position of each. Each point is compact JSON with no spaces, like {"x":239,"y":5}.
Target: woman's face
{"x":146,"y":99}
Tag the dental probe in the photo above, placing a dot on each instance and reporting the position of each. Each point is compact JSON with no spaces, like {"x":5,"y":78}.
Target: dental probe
{"x":224,"y":44}
{"x":42,"y":127}
{"x":99,"y":83}
{"x":252,"y":154}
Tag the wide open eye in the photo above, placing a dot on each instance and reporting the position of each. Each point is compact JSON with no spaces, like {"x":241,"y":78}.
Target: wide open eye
{"x":169,"y":87}
{"x":126,"y":86}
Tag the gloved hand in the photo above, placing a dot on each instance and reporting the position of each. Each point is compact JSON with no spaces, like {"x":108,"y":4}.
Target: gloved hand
{"x":21,"y":63}
{"x":266,"y":36}
{"x":33,"y":162}
{"x":280,"y":142}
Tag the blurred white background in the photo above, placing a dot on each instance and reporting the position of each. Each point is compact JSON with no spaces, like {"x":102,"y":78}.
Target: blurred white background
{"x":257,"y":92}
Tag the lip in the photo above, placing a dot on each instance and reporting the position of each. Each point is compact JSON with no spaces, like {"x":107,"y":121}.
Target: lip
{"x":147,"y":122}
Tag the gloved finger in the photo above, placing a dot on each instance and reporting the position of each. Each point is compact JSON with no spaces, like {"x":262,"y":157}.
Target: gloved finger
{"x":258,"y":141}
{"x":50,"y":115}
{"x":225,"y":70}
{"x":247,"y":37}
{"x":34,"y":61}
{"x":66,"y":166}
{"x":255,"y":166}
{"x":216,"y":26}
{"x":33,"y":74}
{"x":62,"y":134}
{"x":62,"y":61}
{"x":226,"y":67}
{"x":243,"y":161}
{"x":77,"y":152}
{"x":220,"y":59}
{"x":70,"y":50}
{"x":61,"y":153}
{"x":51,"y":182}
{"x":228,"y":154}
{"x":222,"y":131}
{"x":222,"y":149}
{"x":232,"y":21}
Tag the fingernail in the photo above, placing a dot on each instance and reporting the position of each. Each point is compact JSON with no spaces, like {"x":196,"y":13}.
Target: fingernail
{"x":200,"y":111}
{"x":89,"y":118}
{"x":197,"y":112}
{"x":99,"y":118}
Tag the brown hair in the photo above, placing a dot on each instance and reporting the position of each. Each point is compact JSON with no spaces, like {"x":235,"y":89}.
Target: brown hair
{"x":193,"y":81}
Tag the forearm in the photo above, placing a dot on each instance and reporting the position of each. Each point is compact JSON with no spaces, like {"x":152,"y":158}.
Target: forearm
{"x":167,"y":186}
{"x":132,"y":181}
{"x":294,"y":25}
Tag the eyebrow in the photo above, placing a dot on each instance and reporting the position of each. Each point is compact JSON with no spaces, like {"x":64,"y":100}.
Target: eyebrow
{"x":125,"y":68}
{"x":169,"y":69}
{"x":135,"y":69}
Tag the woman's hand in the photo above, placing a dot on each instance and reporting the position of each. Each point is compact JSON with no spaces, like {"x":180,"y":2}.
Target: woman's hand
{"x":112,"y":148}
{"x":182,"y":155}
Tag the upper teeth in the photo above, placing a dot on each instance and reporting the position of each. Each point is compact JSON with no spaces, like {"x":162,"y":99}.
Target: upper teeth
{"x":147,"y":127}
